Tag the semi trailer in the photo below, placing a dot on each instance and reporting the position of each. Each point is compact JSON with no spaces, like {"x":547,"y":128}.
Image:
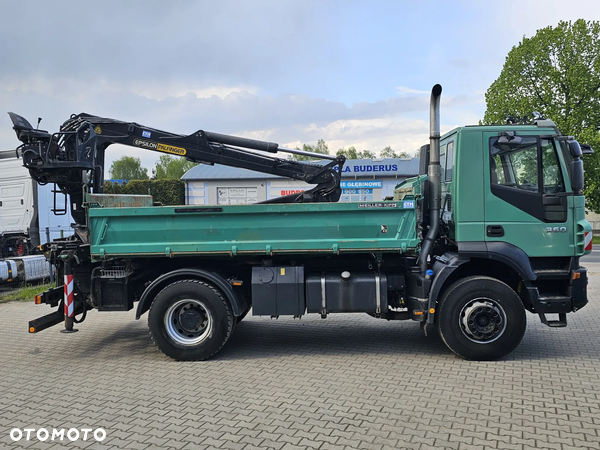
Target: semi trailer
{"x":492,"y":227}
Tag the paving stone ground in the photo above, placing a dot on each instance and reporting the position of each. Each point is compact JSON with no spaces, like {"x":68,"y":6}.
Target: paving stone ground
{"x":350,"y":381}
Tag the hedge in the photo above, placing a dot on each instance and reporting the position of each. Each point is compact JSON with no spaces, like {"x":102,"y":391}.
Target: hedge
{"x":166,"y":192}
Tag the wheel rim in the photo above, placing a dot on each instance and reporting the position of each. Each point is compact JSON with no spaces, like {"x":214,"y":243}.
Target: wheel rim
{"x":188,"y":322}
{"x":482,"y":320}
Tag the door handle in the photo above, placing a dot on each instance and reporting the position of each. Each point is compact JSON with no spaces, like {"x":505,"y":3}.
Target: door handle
{"x":495,"y":230}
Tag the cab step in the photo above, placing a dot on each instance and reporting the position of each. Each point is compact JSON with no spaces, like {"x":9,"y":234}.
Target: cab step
{"x":560,"y":323}
{"x":556,"y":304}
{"x":553,"y":274}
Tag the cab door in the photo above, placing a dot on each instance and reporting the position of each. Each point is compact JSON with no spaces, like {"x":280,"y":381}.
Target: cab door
{"x":526,"y":201}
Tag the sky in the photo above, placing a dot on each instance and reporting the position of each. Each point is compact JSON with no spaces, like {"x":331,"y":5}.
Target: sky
{"x":354,"y":73}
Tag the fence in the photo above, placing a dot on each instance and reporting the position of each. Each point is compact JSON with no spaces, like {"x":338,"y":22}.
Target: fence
{"x":25,"y":270}
{"x":49,"y":234}
{"x":12,"y":245}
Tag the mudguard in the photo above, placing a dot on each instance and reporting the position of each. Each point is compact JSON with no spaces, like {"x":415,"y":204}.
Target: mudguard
{"x":238,"y":303}
{"x":503,"y":252}
{"x":442,"y":269}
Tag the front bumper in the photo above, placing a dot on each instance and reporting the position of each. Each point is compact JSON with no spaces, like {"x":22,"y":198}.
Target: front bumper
{"x":575,"y":299}
{"x":579,"y":288}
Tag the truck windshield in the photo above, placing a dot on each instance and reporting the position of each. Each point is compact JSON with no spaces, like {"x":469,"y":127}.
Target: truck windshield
{"x":564,"y":150}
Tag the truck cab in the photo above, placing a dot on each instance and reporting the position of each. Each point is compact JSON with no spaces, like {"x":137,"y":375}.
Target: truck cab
{"x":513,"y":209}
{"x":18,"y":211}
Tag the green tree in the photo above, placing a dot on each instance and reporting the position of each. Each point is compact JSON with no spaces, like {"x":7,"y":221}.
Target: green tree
{"x":321,"y":148}
{"x":389,"y":153}
{"x":557,"y":73}
{"x":172,"y":167}
{"x":352,"y":153}
{"x":128,"y":168}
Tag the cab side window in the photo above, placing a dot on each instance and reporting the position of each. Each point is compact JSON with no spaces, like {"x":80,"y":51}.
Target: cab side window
{"x":516,"y":167}
{"x":552,"y":178}
{"x":443,"y":159}
{"x":525,"y":172}
{"x":449,"y":161}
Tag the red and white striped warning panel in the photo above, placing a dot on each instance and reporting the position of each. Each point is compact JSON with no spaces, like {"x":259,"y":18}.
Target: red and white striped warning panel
{"x":588,"y":241}
{"x":69,"y":305}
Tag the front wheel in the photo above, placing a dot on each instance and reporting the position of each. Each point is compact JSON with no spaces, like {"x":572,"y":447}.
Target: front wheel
{"x":480,"y":318}
{"x":190,"y":320}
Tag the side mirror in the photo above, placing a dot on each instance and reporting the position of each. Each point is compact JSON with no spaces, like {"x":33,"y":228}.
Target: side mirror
{"x":575,"y":149}
{"x":510,"y":139}
{"x":577,"y":176}
{"x":423,"y":159}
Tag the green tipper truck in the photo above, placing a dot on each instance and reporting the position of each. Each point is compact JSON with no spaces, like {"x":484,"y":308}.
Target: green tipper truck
{"x":493,"y":226}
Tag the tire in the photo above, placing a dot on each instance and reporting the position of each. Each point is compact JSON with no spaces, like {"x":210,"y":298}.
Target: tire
{"x":18,"y":247}
{"x":480,"y":318}
{"x":190,"y":320}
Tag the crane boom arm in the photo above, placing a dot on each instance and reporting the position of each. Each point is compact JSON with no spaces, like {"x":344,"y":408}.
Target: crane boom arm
{"x":73,"y":158}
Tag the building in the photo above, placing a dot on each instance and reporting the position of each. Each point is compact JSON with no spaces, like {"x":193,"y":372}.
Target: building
{"x":362,"y":180}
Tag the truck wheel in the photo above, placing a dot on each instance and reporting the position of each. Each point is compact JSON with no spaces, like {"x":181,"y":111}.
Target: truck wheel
{"x":190,"y":320}
{"x":481,"y":318}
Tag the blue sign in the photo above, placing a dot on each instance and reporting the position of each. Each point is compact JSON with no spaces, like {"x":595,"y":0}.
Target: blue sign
{"x":356,"y":168}
{"x":357,"y":191}
{"x":146,"y":134}
{"x":361,"y":184}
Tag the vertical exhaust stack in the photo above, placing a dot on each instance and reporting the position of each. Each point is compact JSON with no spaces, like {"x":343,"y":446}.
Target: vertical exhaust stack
{"x":434,"y":175}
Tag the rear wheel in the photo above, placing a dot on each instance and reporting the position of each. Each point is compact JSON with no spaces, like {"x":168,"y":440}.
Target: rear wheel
{"x":190,"y":320}
{"x":481,"y":318}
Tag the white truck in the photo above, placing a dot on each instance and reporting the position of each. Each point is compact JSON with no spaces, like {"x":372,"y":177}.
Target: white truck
{"x":26,"y":210}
